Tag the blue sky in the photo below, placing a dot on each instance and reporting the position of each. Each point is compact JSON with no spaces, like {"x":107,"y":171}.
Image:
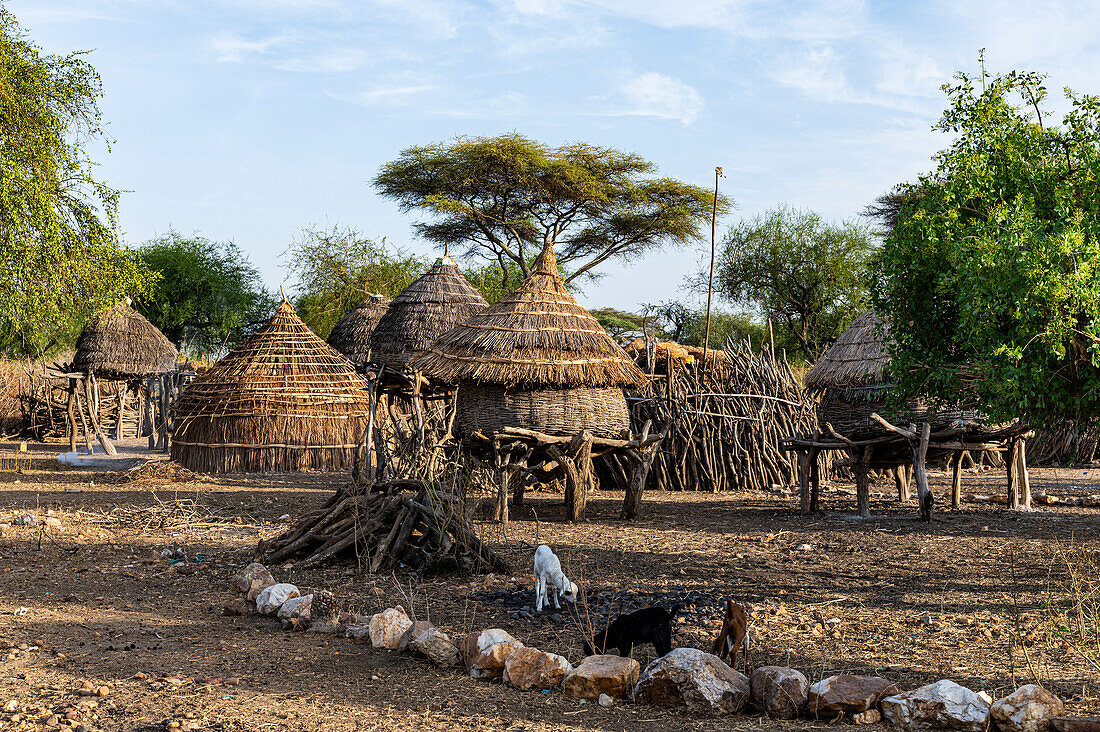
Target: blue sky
{"x":250,"y":119}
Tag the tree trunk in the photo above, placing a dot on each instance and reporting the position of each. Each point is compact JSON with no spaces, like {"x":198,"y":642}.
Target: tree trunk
{"x":920,"y":473}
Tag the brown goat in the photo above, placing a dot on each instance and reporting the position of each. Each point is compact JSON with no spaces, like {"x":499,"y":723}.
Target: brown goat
{"x":734,"y":635}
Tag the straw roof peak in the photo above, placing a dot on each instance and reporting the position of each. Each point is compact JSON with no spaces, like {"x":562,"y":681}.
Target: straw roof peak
{"x":537,"y":336}
{"x":859,"y":357}
{"x":119,"y":343}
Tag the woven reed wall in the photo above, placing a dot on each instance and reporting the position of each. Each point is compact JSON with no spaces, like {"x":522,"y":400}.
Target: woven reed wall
{"x":601,"y":411}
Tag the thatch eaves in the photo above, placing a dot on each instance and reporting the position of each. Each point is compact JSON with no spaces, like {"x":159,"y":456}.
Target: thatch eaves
{"x":858,"y":359}
{"x":537,"y":336}
{"x":351,"y":335}
{"x":429,"y":307}
{"x":119,"y":343}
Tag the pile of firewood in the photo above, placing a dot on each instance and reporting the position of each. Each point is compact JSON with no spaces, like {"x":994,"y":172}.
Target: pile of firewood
{"x":387,"y":525}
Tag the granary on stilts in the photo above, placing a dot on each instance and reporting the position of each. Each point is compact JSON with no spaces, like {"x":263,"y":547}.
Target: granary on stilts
{"x":857,"y":414}
{"x":351,"y":335}
{"x":539,"y":380}
{"x":118,"y":344}
{"x":283,"y":400}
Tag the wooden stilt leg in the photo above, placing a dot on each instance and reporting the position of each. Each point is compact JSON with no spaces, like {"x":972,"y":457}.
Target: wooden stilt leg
{"x":70,"y":410}
{"x":815,"y":481}
{"x":863,"y":481}
{"x":901,"y":480}
{"x":804,"y":482}
{"x":920,"y":473}
{"x":1012,"y":471}
{"x":1022,"y":479}
{"x":90,"y":394}
{"x":956,"y":480}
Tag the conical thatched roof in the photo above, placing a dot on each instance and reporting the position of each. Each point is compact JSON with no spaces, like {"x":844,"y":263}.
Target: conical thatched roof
{"x":282,"y":400}
{"x":429,"y":307}
{"x":858,"y":358}
{"x":535,"y":337}
{"x":119,"y":343}
{"x":351,"y":336}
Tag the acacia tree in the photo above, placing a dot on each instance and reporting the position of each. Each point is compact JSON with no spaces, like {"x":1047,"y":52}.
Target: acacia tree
{"x":59,"y":249}
{"x":807,"y":275}
{"x":503,"y":197}
{"x":991,"y":272}
{"x":208,"y":296}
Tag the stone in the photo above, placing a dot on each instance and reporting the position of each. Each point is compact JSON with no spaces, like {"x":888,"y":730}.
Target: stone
{"x":242,"y":581}
{"x":296,"y":607}
{"x":779,"y":692}
{"x":236,"y":607}
{"x":486,"y":651}
{"x":325,"y":626}
{"x":1075,"y":724}
{"x":27,"y":519}
{"x":387,"y":627}
{"x":271,"y":599}
{"x":611,"y":675}
{"x":700,"y":681}
{"x":847,"y":694}
{"x":1028,"y":709}
{"x":530,"y":668}
{"x":52,"y":522}
{"x":871,"y":716}
{"x":417,"y":628}
{"x":437,"y":647}
{"x":258,"y":586}
{"x":942,"y":705}
{"x":358,"y":632}
{"x":606,"y":701}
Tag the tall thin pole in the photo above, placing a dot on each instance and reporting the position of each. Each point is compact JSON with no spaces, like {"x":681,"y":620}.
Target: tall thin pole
{"x":710,"y":282}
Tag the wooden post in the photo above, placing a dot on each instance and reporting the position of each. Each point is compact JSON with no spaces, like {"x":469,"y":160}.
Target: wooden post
{"x":815,"y":480}
{"x":920,"y":473}
{"x":162,"y":435}
{"x":1022,"y":479}
{"x":956,"y":480}
{"x":121,"y":398}
{"x":80,"y":409}
{"x":1011,"y":469}
{"x":150,"y":411}
{"x":863,"y":481}
{"x":576,"y":463}
{"x":70,"y":409}
{"x":901,"y":480}
{"x":500,"y":509}
{"x":90,"y":397}
{"x":804,"y":457}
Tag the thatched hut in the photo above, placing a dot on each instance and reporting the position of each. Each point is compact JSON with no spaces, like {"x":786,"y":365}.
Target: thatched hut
{"x":429,"y":307}
{"x":351,"y":335}
{"x":120,"y":344}
{"x":535,"y":359}
{"x":853,"y":381}
{"x":282,"y":400}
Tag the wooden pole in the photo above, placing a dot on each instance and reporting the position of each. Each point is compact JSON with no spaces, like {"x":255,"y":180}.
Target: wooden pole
{"x":956,"y":480}
{"x":70,"y":409}
{"x":815,"y":481}
{"x":920,"y":473}
{"x":804,"y":457}
{"x":1022,"y":478}
{"x":121,"y":397}
{"x":863,"y":481}
{"x":150,"y":411}
{"x":713,"y":247}
{"x":90,"y":396}
{"x":901,"y":480}
{"x":162,"y":435}
{"x":1012,"y":470}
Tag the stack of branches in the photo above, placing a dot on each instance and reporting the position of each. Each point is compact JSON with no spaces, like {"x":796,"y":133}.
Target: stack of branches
{"x":385,"y":525}
{"x":725,"y":419}
{"x":45,"y":407}
{"x":1064,"y":443}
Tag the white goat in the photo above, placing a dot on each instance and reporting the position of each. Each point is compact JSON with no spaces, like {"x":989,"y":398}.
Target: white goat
{"x":548,"y":575}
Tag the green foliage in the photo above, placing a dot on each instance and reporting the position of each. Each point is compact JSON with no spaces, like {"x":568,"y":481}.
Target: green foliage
{"x":619,"y":324}
{"x":60,"y":256}
{"x":677,"y":321}
{"x":338,"y":268}
{"x":502,"y":197}
{"x":991,"y":275}
{"x":807,"y":275}
{"x":493,"y":280}
{"x":208,"y":297}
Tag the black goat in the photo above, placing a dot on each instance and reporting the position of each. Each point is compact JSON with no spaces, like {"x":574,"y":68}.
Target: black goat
{"x":648,"y":625}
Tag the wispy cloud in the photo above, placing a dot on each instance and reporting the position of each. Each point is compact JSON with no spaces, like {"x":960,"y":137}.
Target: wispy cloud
{"x":656,"y":95}
{"x":337,"y":61}
{"x":233,"y":48}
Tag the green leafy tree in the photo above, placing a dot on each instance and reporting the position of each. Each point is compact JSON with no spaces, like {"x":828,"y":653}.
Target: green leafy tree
{"x":677,"y":321}
{"x":493,"y":280}
{"x":808,"y":276}
{"x":619,"y":323}
{"x":59,"y":251}
{"x":337,"y":268}
{"x":207,"y":298}
{"x":990,"y":274}
{"x":502,"y":197}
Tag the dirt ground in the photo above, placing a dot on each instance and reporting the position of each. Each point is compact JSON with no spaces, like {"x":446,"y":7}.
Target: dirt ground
{"x":965,"y":597}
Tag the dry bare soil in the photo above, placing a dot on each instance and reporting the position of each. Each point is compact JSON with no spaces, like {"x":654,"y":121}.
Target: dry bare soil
{"x":965,"y":597}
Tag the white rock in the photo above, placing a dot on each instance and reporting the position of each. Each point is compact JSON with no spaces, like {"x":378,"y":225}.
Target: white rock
{"x":296,"y":607}
{"x":270,"y":600}
{"x":606,"y":701}
{"x":700,"y":681}
{"x":27,"y":519}
{"x":387,"y":627}
{"x":1028,"y":709}
{"x":485,"y":652}
{"x":243,"y":580}
{"x":942,"y":705}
